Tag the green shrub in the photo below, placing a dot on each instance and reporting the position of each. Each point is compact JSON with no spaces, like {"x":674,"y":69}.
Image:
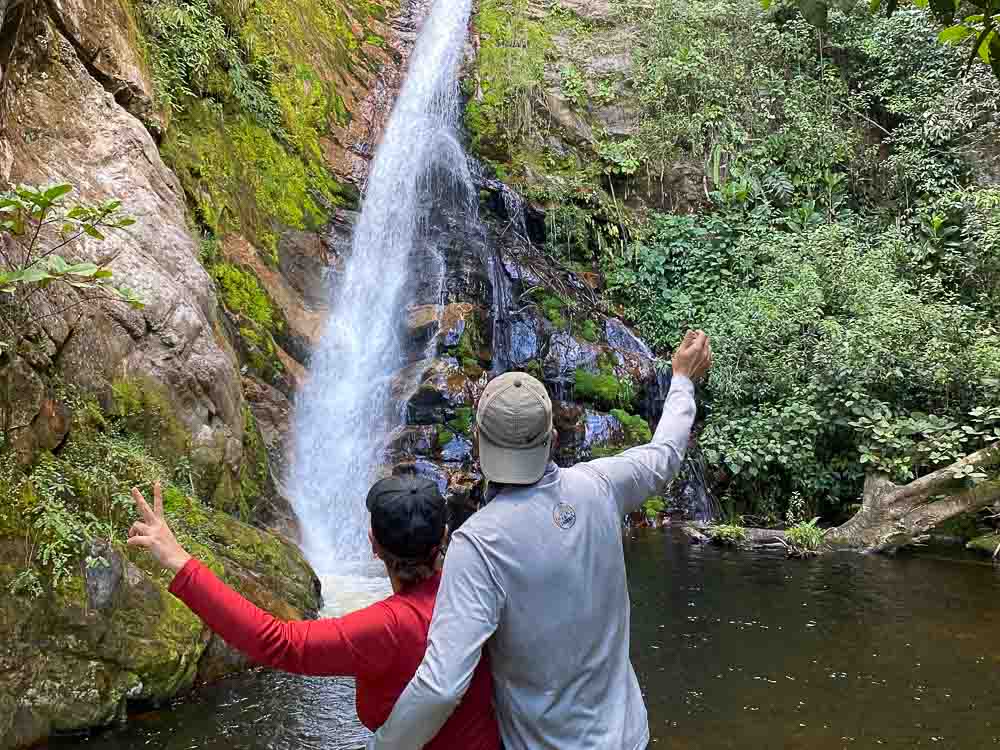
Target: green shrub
{"x":553,"y":307}
{"x":636,"y":428}
{"x":444,"y":436}
{"x":804,"y":539}
{"x":588,"y":331}
{"x":653,"y":507}
{"x":462,"y":422}
{"x":599,"y":389}
{"x":730,"y":534}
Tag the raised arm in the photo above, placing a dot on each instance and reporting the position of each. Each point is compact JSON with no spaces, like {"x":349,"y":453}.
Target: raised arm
{"x":469,"y":604}
{"x":643,"y":471}
{"x":362,"y":642}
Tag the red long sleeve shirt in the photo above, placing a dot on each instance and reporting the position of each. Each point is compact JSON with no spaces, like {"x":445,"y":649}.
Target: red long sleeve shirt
{"x":381,"y":646}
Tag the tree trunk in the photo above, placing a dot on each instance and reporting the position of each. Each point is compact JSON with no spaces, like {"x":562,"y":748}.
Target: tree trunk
{"x":893,"y":516}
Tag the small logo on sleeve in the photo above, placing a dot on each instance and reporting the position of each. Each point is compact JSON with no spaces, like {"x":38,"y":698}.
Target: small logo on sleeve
{"x":564,"y":515}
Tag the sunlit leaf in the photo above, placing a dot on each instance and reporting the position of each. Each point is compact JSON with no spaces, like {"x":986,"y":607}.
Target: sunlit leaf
{"x":82,"y":269}
{"x":985,"y":41}
{"x":955,"y":34}
{"x":91,"y":231}
{"x":994,"y":50}
{"x":57,"y":191}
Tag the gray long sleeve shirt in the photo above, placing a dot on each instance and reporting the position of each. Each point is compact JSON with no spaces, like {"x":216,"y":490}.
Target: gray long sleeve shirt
{"x":538,"y":577}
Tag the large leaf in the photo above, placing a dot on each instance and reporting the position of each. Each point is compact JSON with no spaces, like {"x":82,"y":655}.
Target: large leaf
{"x":994,"y":50}
{"x":83,"y":269}
{"x":32,"y":275}
{"x":91,"y":231}
{"x":956,"y":34}
{"x":54,"y":192}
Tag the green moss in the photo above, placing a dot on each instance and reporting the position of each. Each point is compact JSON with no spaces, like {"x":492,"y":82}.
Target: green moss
{"x":254,"y":92}
{"x":143,"y":409}
{"x":653,"y":507}
{"x":462,"y":422}
{"x":240,"y":178}
{"x":472,"y":350}
{"x":444,"y":436}
{"x":510,"y":67}
{"x":587,"y":330}
{"x":988,"y":543}
{"x":601,"y":389}
{"x":552,"y":307}
{"x":254,"y":471}
{"x":636,"y":428}
{"x":243,"y":294}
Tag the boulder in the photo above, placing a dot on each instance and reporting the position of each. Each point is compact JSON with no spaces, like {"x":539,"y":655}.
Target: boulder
{"x":567,"y":354}
{"x":74,"y":657}
{"x":444,"y":387}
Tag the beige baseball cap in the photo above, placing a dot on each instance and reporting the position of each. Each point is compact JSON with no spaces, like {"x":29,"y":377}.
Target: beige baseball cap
{"x":514,"y":421}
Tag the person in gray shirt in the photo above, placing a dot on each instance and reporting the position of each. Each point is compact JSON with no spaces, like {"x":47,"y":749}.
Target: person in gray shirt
{"x":538,"y":577}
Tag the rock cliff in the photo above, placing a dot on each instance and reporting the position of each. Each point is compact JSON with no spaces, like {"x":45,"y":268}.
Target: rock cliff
{"x":243,"y":190}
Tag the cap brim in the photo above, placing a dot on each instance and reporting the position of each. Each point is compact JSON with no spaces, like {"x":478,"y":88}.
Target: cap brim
{"x":512,"y":465}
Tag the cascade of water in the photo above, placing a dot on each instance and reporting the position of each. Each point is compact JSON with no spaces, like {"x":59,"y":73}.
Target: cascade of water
{"x":344,"y":411}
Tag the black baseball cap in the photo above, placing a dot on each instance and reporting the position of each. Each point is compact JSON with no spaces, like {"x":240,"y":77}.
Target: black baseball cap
{"x":408,"y":516}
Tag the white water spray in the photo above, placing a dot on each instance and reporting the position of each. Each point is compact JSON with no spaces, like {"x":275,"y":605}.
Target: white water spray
{"x":345,"y":410}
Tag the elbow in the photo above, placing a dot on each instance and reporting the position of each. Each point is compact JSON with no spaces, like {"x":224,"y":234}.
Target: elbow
{"x":445,"y":697}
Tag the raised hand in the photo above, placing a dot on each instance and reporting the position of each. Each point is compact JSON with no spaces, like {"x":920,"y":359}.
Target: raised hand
{"x":693,"y":357}
{"x":153,"y":533}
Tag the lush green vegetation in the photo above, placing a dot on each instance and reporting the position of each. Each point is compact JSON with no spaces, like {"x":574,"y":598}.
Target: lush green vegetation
{"x":604,"y":388}
{"x":729,"y":534}
{"x":844,"y":253}
{"x":42,"y":226}
{"x":252,"y":89}
{"x":804,"y":539}
{"x":67,"y":500}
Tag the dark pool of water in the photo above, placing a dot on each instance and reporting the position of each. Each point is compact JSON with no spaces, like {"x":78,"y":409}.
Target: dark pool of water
{"x":733,"y":650}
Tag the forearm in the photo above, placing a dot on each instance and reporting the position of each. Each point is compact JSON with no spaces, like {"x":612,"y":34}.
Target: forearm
{"x":674,"y":428}
{"x":418,"y":715}
{"x":638,"y":473}
{"x":245,"y":627}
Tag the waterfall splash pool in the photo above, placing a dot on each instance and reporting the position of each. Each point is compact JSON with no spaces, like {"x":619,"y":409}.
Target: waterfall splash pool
{"x":732,"y":649}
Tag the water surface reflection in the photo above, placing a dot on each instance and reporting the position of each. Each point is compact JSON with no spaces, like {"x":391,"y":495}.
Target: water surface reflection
{"x":733,"y":650}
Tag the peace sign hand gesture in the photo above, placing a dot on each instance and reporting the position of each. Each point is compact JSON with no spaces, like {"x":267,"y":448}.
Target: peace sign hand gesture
{"x":153,"y":533}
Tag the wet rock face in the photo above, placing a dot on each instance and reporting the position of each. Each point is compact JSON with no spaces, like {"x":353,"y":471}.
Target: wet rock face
{"x":89,"y":140}
{"x":472,"y":334}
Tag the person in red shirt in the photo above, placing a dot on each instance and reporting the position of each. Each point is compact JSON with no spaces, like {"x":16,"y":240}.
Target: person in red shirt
{"x":381,"y":646}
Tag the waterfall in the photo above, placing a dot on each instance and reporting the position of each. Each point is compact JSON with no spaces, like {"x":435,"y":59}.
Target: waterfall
{"x":345,"y":410}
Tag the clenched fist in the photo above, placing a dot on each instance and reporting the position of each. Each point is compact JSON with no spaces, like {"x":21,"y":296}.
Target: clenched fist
{"x":153,"y":533}
{"x":694,"y":356}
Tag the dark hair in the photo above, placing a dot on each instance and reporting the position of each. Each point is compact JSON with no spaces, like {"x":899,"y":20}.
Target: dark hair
{"x":409,"y":570}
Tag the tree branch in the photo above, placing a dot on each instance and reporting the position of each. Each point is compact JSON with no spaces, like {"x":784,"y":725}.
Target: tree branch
{"x":938,"y":481}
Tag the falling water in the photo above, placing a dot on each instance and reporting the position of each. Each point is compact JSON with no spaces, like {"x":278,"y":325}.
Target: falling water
{"x":345,"y":411}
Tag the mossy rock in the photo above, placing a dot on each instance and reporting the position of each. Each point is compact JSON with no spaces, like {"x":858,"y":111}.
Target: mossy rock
{"x":86,"y":657}
{"x":987,"y":544}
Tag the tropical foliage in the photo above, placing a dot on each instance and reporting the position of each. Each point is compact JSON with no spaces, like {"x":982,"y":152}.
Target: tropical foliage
{"x":845,"y":254}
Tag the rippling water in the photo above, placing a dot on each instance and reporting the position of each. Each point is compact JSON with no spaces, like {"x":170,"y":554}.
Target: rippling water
{"x":733,"y":650}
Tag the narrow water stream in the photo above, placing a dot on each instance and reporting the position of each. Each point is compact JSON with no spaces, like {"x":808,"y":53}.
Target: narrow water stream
{"x":733,"y":650}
